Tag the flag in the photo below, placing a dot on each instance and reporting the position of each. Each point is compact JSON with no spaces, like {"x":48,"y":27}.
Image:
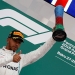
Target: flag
{"x":69,"y":5}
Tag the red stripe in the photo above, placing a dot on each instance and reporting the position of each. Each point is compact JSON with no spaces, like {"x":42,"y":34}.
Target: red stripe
{"x":61,"y":2}
{"x":59,"y":20}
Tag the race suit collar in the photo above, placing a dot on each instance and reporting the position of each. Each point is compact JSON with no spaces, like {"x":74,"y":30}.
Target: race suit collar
{"x":8,"y":51}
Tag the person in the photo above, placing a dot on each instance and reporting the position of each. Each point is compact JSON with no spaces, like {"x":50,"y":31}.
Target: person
{"x":12,"y":62}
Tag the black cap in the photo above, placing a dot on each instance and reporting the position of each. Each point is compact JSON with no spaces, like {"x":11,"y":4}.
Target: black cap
{"x":16,"y":35}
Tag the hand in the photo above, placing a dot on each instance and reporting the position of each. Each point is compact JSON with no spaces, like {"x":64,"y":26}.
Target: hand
{"x":53,"y":29}
{"x":16,"y":57}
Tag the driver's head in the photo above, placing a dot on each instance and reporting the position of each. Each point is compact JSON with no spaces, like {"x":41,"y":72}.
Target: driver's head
{"x":14,"y":40}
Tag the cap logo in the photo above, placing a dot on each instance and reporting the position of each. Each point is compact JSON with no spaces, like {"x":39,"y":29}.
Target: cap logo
{"x":15,"y":37}
{"x":19,"y":34}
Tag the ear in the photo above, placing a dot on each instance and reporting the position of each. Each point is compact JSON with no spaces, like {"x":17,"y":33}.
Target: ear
{"x":8,"y":39}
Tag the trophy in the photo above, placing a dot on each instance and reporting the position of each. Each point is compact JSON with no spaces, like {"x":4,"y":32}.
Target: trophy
{"x":59,"y":33}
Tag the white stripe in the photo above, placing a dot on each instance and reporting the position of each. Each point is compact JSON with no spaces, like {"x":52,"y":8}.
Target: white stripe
{"x":64,"y":61}
{"x":67,"y":5}
{"x":16,"y":25}
{"x":37,"y":39}
{"x":54,"y":2}
{"x":19,"y":17}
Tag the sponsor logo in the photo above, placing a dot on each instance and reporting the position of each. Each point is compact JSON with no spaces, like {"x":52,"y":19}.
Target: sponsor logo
{"x":10,"y":67}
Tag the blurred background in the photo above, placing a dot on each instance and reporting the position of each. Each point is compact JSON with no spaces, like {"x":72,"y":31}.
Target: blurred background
{"x":44,"y":12}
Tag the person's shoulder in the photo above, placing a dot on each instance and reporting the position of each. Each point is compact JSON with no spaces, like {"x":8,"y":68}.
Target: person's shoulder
{"x":1,"y":49}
